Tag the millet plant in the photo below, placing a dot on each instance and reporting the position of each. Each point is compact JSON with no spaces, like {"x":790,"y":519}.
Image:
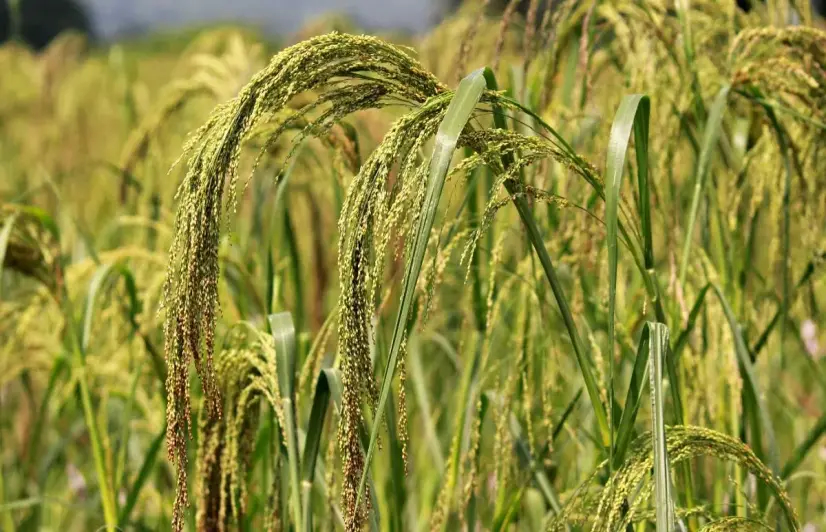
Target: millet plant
{"x":533,"y":328}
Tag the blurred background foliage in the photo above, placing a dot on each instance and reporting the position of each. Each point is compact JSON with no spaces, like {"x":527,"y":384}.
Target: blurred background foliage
{"x":91,"y":132}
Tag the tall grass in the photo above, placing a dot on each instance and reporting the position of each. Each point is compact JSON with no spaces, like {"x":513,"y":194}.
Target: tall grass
{"x":516,"y":337}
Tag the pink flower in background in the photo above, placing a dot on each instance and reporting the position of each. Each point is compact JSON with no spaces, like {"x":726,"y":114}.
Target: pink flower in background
{"x":77,"y":483}
{"x":808,"y":331}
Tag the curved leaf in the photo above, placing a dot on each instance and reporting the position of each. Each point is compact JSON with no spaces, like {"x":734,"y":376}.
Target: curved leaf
{"x":5,"y":234}
{"x":99,"y":280}
{"x":633,"y":112}
{"x":458,"y":113}
{"x":710,"y":136}
{"x":283,"y":333}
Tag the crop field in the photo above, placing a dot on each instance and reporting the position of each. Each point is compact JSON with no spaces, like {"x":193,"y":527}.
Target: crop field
{"x":551,"y":266}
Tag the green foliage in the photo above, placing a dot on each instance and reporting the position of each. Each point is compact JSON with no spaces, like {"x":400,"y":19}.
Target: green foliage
{"x":410,"y":306}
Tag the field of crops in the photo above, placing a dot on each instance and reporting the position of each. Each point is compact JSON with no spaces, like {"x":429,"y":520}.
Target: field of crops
{"x":539,"y":269}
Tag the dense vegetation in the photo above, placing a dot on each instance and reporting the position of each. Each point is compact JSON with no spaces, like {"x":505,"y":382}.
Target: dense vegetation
{"x":536,"y":270}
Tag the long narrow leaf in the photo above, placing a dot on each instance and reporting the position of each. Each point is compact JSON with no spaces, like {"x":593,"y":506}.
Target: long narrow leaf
{"x":283,"y":333}
{"x":682,"y":340}
{"x":750,"y":385}
{"x":805,"y":446}
{"x":524,"y":451}
{"x":658,"y":346}
{"x":710,"y":136}
{"x":5,"y":234}
{"x":458,"y":113}
{"x":465,"y":407}
{"x":99,"y":280}
{"x":786,"y":240}
{"x":419,"y":383}
{"x":143,"y":475}
{"x":633,"y":113}
{"x":633,"y":399}
{"x":327,"y":386}
{"x":811,"y":267}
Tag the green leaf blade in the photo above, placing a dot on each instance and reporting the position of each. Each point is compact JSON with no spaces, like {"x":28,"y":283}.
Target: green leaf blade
{"x":458,"y":113}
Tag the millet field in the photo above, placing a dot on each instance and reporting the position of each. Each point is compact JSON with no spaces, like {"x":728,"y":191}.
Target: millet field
{"x":551,"y":266}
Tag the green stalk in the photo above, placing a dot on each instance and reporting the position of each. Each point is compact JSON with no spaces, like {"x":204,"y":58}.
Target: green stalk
{"x":787,"y":184}
{"x":327,"y":391}
{"x":99,"y":281}
{"x":80,"y":344}
{"x":763,"y":339}
{"x":295,"y":266}
{"x":754,"y":408}
{"x":8,"y":521}
{"x":538,"y":472}
{"x":739,"y":500}
{"x":395,"y":481}
{"x":291,"y":435}
{"x":419,"y":386}
{"x":474,"y":207}
{"x":799,"y":454}
{"x":143,"y":475}
{"x":684,"y":16}
{"x":472,"y":512}
{"x":658,"y":346}
{"x":464,"y":406}
{"x":106,"y":496}
{"x":306,"y":496}
{"x":120,"y":467}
